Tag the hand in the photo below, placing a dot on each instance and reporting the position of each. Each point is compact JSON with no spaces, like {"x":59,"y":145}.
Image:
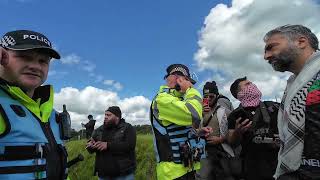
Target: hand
{"x":90,"y":143}
{"x":100,"y":146}
{"x":205,"y":131}
{"x":243,"y":126}
{"x":4,"y":57}
{"x":214,"y":140}
{"x":183,"y":83}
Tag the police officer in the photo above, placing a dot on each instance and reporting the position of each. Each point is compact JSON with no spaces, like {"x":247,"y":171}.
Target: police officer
{"x":176,"y":112}
{"x":31,"y":145}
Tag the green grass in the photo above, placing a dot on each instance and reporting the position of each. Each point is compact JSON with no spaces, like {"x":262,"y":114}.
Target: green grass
{"x":83,"y":170}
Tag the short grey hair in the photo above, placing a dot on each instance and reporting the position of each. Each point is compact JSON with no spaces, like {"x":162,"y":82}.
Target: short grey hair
{"x":292,"y":32}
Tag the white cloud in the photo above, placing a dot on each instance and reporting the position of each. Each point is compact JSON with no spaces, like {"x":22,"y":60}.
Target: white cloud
{"x":57,"y":73}
{"x":88,"y":66}
{"x":71,"y":59}
{"x":99,"y":78}
{"x":108,"y":82}
{"x":91,"y":100}
{"x":118,"y":86}
{"x":231,"y":40}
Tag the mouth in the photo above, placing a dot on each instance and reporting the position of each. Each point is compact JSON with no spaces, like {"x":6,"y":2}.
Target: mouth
{"x":32,"y":74}
{"x":272,"y":62}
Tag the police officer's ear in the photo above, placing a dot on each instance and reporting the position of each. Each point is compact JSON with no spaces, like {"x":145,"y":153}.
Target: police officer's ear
{"x":4,"y":57}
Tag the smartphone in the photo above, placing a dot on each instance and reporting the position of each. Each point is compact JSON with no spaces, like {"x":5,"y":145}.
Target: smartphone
{"x":240,"y":113}
{"x":177,"y":87}
{"x":205,"y":102}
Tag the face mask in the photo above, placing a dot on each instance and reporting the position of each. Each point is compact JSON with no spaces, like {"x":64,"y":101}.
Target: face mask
{"x":250,"y":96}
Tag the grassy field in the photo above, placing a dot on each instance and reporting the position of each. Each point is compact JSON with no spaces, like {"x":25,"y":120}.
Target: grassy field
{"x":84,"y":170}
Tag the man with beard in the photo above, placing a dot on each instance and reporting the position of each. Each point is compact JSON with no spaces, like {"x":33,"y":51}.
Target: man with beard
{"x":114,"y":144}
{"x":294,"y":48}
{"x":254,"y":125}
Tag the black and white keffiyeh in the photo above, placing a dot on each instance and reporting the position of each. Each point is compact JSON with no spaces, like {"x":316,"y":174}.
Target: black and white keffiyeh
{"x":291,"y":117}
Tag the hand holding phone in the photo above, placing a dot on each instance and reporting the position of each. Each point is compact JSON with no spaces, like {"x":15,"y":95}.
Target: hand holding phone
{"x":183,"y":83}
{"x":240,"y":113}
{"x":205,"y":104}
{"x":242,"y":125}
{"x":90,"y":143}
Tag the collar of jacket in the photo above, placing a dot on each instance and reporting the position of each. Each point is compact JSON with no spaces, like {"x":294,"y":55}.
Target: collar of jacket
{"x":41,"y":104}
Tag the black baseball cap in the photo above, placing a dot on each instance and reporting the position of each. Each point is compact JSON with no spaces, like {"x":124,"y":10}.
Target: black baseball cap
{"x":210,"y":87}
{"x":26,"y":40}
{"x":181,"y":70}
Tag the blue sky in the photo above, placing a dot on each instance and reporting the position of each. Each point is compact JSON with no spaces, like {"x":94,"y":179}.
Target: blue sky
{"x":115,"y":52}
{"x":130,"y":42}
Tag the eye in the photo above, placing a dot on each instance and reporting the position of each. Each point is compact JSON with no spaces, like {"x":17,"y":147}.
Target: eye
{"x":44,"y":61}
{"x":269,"y":47}
{"x":24,"y":57}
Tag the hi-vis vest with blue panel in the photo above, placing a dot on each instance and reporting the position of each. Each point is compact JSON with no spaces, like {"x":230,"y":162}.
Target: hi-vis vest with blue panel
{"x":170,"y":142}
{"x":24,"y":146}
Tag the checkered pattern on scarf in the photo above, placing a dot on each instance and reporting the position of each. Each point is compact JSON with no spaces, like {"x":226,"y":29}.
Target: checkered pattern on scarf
{"x":296,"y":123}
{"x":250,"y":96}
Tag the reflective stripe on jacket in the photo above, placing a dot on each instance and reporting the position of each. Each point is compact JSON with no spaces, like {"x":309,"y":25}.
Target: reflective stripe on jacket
{"x":172,"y":109}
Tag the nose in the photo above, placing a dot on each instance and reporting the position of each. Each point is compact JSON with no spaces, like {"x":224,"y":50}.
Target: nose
{"x":267,"y":55}
{"x":35,"y":65}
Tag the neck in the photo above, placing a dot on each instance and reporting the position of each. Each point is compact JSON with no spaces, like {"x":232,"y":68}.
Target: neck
{"x":30,"y":93}
{"x":300,"y":62}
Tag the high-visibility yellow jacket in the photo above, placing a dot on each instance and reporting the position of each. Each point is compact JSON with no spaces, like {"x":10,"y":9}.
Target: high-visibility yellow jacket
{"x":172,"y":107}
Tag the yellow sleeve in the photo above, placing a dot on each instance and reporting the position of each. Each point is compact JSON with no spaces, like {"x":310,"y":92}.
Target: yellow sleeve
{"x":2,"y":125}
{"x":171,"y":109}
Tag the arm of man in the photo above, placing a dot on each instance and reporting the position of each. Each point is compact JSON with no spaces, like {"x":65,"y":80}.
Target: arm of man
{"x":223,"y":126}
{"x":128,"y":144}
{"x":90,"y":144}
{"x":237,"y":126}
{"x":181,"y":112}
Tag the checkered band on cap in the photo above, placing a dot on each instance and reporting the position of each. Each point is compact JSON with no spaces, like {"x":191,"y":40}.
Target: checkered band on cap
{"x":180,"y":69}
{"x":7,"y":41}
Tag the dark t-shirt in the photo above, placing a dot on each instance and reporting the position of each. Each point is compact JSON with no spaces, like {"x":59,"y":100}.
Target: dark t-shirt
{"x":260,"y":160}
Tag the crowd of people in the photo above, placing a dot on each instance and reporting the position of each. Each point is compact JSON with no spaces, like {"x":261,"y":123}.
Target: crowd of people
{"x":259,"y":140}
{"x":195,"y":136}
